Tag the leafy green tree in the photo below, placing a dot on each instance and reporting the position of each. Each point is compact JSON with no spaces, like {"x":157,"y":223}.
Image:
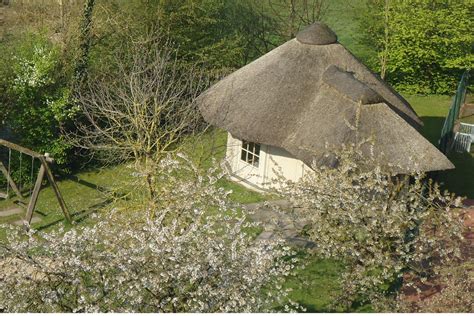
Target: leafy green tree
{"x":205,"y":31}
{"x":37,"y":95}
{"x":423,"y":46}
{"x":293,"y":15}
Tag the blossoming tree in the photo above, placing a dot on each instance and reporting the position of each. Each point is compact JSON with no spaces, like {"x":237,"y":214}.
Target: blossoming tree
{"x":381,"y":225}
{"x":197,"y":254}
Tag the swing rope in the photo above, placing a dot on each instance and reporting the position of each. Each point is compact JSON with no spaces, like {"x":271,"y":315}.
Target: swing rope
{"x":31,"y":173}
{"x":20,"y":182}
{"x":9,"y":169}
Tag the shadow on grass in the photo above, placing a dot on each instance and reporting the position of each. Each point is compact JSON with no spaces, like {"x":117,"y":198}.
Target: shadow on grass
{"x":79,"y":216}
{"x":432,"y":128}
{"x":82,"y":215}
{"x":459,"y":180}
{"x":85,"y":183}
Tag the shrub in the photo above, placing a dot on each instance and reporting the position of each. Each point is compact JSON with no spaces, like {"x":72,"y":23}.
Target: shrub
{"x":37,"y":96}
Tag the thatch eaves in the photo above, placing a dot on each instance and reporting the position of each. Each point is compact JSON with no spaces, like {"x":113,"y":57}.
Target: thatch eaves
{"x":304,"y":95}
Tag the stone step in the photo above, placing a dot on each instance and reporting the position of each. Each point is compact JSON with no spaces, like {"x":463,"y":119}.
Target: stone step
{"x":10,"y":212}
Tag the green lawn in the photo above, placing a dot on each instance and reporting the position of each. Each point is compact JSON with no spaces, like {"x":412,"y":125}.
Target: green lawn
{"x":315,"y":285}
{"x":433,"y":110}
{"x":468,"y":119}
{"x":90,"y":191}
{"x":341,"y":16}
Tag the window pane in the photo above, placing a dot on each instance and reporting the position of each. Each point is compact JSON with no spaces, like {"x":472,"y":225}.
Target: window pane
{"x":257,"y":149}
{"x":250,"y":147}
{"x":243,"y":156}
{"x":250,"y":153}
{"x":250,"y":158}
{"x":255,"y":161}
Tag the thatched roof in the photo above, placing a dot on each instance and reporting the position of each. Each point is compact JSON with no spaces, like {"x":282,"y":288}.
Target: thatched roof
{"x":305,"y":94}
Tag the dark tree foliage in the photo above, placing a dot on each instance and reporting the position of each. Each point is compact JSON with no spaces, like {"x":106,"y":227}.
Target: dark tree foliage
{"x":80,"y":71}
{"x":217,"y":34}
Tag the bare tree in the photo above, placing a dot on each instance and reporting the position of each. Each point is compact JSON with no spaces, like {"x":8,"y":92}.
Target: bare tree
{"x":142,"y":112}
{"x":294,"y":14}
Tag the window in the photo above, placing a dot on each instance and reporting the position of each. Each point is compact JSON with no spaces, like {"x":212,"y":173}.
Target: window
{"x":250,"y":153}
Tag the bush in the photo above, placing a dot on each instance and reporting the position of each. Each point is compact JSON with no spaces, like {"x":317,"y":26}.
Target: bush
{"x":37,"y":95}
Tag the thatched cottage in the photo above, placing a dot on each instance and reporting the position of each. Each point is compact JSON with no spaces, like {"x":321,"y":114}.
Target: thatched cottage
{"x":283,"y":109}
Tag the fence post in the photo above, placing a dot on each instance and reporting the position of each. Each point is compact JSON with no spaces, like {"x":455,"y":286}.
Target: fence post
{"x":447,"y":131}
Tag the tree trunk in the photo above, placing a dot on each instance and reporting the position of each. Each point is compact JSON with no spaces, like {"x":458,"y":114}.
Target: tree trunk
{"x":80,"y":72}
{"x":384,"y":55}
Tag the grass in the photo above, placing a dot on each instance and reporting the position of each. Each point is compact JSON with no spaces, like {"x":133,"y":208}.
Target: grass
{"x":90,"y":191}
{"x":461,"y":179}
{"x":468,"y":119}
{"x":433,"y":110}
{"x":315,"y":285}
{"x":82,"y":197}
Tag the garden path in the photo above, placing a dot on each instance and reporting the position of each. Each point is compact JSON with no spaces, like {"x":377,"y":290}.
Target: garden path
{"x":278,"y":221}
{"x":16,"y":214}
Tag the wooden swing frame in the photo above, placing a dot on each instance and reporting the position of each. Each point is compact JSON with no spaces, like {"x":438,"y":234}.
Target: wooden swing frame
{"x":44,"y":170}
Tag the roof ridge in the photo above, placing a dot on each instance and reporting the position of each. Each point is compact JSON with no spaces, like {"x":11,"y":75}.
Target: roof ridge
{"x":348,"y":85}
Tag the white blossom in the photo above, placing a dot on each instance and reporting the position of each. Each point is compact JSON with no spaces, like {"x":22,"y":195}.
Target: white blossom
{"x":190,"y":255}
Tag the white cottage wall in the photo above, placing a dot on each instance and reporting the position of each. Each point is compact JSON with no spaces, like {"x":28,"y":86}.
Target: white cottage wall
{"x":282,"y":165}
{"x":274,"y":162}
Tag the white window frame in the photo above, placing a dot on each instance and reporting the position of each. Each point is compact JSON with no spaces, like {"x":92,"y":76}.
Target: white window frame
{"x":250,"y":153}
